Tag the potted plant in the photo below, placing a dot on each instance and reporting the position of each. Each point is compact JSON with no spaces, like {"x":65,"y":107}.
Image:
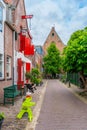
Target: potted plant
{"x":2,"y":116}
{"x":28,"y":76}
{"x":35,"y":74}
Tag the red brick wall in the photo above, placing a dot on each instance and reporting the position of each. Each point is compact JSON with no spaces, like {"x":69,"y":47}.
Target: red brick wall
{"x":20,"y":10}
{"x":8,"y":39}
{"x":8,"y":51}
{"x":56,"y":39}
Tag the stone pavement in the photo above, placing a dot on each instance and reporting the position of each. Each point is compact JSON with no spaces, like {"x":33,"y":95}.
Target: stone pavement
{"x":10,"y":122}
{"x":61,"y":109}
{"x":76,"y":91}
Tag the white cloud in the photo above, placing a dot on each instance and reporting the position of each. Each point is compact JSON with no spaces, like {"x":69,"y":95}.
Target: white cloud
{"x":67,"y":16}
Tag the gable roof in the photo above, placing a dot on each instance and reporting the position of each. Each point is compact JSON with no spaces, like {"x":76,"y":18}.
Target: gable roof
{"x":53,"y":37}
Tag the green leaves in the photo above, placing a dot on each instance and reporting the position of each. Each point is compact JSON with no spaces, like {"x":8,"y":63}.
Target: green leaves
{"x":75,"y":54}
{"x":34,"y":76}
{"x":52,"y":60}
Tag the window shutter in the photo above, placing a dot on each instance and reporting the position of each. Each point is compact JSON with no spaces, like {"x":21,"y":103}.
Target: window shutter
{"x":27,"y":67}
{"x":22,"y":42}
{"x":32,"y":49}
{"x":27,"y":50}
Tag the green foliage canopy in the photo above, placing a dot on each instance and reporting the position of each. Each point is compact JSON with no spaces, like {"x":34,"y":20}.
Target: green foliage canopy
{"x":52,"y":60}
{"x":75,"y":54}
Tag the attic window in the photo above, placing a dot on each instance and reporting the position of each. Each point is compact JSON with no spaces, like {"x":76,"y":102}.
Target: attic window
{"x":52,"y":34}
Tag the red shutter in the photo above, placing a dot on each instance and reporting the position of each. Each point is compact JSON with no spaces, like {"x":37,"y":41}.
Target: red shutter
{"x":22,"y":42}
{"x":32,"y":49}
{"x":19,"y":70}
{"x":20,"y":84}
{"x":27,"y":67}
{"x":27,"y":47}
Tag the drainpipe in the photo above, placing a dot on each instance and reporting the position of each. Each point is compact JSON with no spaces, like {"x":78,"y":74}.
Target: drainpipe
{"x":13,"y":56}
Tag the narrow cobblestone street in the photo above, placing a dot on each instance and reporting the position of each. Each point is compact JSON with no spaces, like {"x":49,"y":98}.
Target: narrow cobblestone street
{"x":61,"y":110}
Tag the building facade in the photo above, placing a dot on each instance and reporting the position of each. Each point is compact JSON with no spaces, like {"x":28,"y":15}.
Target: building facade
{"x":53,"y":38}
{"x":15,"y":44}
{"x":40,"y":54}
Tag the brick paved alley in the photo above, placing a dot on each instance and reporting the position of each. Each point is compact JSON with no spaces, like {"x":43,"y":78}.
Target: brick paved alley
{"x":61,"y":110}
{"x":11,"y":122}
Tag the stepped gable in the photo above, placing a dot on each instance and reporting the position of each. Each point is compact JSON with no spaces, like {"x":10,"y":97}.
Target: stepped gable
{"x":53,"y":37}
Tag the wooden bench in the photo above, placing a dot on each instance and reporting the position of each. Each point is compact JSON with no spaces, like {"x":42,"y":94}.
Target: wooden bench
{"x":10,"y":93}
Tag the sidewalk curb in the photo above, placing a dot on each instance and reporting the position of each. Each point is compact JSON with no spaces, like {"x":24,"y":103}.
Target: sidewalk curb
{"x":36,"y":111}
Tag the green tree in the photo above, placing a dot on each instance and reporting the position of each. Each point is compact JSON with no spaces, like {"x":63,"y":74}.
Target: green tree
{"x":75,"y":54}
{"x":52,"y":61}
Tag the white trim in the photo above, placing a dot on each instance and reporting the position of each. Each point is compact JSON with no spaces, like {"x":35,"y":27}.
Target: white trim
{"x":2,"y":61}
{"x":24,"y":59}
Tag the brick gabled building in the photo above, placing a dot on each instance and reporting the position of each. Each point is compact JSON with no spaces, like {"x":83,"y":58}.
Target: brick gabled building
{"x":15,"y":43}
{"x":53,"y":37}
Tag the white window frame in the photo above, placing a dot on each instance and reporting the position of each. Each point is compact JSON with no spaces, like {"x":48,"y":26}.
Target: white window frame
{"x":2,"y":66}
{"x":1,"y":17}
{"x":8,"y":67}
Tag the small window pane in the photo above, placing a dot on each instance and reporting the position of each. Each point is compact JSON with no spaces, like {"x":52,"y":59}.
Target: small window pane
{"x":1,"y":13}
{"x":52,"y":34}
{"x":8,"y":67}
{"x":1,"y":66}
{"x":1,"y":18}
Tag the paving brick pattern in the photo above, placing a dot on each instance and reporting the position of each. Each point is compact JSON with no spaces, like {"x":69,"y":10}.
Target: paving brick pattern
{"x":61,"y":110}
{"x":10,"y":122}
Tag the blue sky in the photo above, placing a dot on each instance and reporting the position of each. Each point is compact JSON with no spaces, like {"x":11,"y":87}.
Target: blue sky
{"x":66,"y":16}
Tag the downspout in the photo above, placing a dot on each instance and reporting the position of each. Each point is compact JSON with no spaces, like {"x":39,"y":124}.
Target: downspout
{"x":13,"y":56}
